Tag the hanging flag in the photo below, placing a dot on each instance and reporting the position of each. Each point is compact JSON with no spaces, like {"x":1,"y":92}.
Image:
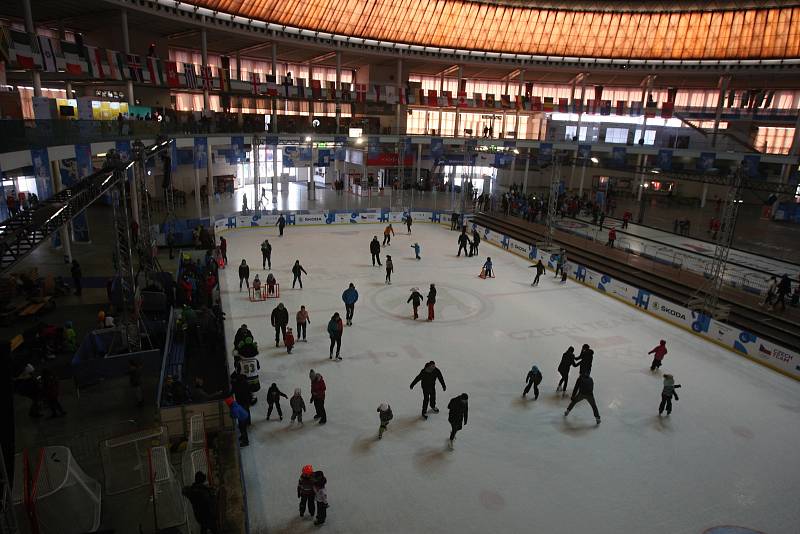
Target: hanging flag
{"x":346,"y":92}
{"x":378,"y":93}
{"x":208,"y":80}
{"x":667,"y":109}
{"x":636,"y":109}
{"x":448,"y":98}
{"x":191,"y":76}
{"x":40,"y":162}
{"x":391,"y":94}
{"x":490,"y":103}
{"x":135,"y":68}
{"x":651,"y":108}
{"x":528,"y":89}
{"x":577,"y":106}
{"x":23,"y":52}
{"x":116,"y":65}
{"x":272,"y":86}
{"x":462,"y":99}
{"x":505,"y":101}
{"x":620,"y":109}
{"x":598,"y":97}
{"x":96,"y":63}
{"x":300,"y":88}
{"x":549,"y":104}
{"x":171,"y":68}
{"x":478,"y":98}
{"x":403,"y":95}
{"x":48,"y":54}
{"x":316,"y":89}
{"x":605,"y":107}
{"x":156,"y":71}
{"x":361,"y":92}
{"x":536,"y":103}
{"x":330,"y":88}
{"x":563,"y":105}
{"x":225,"y":74}
{"x":255,"y":80}
{"x":73,"y":61}
{"x":433,"y":100}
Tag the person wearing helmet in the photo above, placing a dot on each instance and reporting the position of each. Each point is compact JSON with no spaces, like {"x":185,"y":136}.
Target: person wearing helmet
{"x":534,"y":378}
{"x":305,"y":491}
{"x":459,"y":409}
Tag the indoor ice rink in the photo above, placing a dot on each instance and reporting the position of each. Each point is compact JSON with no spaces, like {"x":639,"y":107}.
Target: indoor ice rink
{"x":726,"y":456}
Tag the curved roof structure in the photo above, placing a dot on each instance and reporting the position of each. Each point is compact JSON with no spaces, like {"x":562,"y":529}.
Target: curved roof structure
{"x":713,"y":32}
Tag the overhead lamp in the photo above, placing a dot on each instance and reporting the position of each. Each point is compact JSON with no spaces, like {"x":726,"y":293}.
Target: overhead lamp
{"x":655,"y":171}
{"x":594,"y":160}
{"x":359,"y":141}
{"x":516,"y":151}
{"x":308,"y":139}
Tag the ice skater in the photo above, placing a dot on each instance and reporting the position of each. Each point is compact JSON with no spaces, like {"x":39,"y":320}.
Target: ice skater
{"x":539,"y":272}
{"x":584,"y":390}
{"x":667,"y":393}
{"x":375,"y":250}
{"x":564,"y":271}
{"x":321,"y":496}
{"x":459,"y":410}
{"x":476,"y":241}
{"x":271,"y":285}
{"x":486,"y":270}
{"x":385,"y":415}
{"x":298,"y":407}
{"x":288,"y":340}
{"x":318,"y":389}
{"x":658,"y":355}
{"x":431,"y":301}
{"x":305,"y":491}
{"x":428,"y":377}
{"x":274,"y":400}
{"x":335,"y":329}
{"x":350,"y":297}
{"x":584,"y":360}
{"x":417,"y":249}
{"x":298,"y":272}
{"x":244,"y":275}
{"x":388,"y":232}
{"x":279,"y":319}
{"x":389,"y":269}
{"x":281,"y":224}
{"x":533,"y":378}
{"x":242,"y":417}
{"x":409,"y":222}
{"x":415,"y":299}
{"x":462,"y":243}
{"x":612,"y":236}
{"x":567,"y":362}
{"x":266,"y":254}
{"x":560,"y":262}
{"x":303,"y":320}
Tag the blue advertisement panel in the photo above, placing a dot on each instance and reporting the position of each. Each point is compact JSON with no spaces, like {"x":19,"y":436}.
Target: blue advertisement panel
{"x":294,"y":156}
{"x":324,"y":157}
{"x":200,"y":152}
{"x":545,"y":153}
{"x":664,"y":159}
{"x":618,"y":156}
{"x":751,"y":164}
{"x":83,"y":168}
{"x":706,"y":161}
{"x":584,"y":151}
{"x":237,"y":145}
{"x":437,"y":147}
{"x":124,"y":150}
{"x":41,"y":172}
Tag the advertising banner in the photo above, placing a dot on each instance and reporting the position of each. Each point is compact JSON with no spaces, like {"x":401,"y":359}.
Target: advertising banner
{"x":41,"y":172}
{"x":200,"y":152}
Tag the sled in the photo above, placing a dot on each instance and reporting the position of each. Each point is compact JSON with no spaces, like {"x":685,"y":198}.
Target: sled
{"x":483,"y":274}
{"x":259,"y":294}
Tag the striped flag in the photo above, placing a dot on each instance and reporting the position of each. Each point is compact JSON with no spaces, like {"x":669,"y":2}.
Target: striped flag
{"x":191,"y":76}
{"x":171,"y":68}
{"x":22,"y":51}
{"x":255,"y":79}
{"x":208,"y":80}
{"x":74,"y":63}
{"x":563,"y":105}
{"x":478,"y":97}
{"x":48,"y":54}
{"x":116,"y":65}
{"x":135,"y":68}
{"x":155,"y":70}
{"x":316,"y":89}
{"x":225,"y":73}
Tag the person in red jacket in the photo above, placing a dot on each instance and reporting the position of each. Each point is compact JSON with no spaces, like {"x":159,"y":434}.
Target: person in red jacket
{"x":186,"y":287}
{"x":318,"y":397}
{"x":288,"y":340}
{"x":658,"y":355}
{"x":612,"y":236}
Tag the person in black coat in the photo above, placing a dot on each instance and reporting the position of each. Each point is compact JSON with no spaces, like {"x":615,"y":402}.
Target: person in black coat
{"x":462,"y":243}
{"x":281,"y":224}
{"x":584,"y":360}
{"x":533,"y":379}
{"x":244,"y":274}
{"x":375,"y":250}
{"x":416,"y":300}
{"x":431,"y":301}
{"x":459,"y":410}
{"x":539,"y":272}
{"x":567,"y":362}
{"x":266,"y":254}
{"x":77,"y":275}
{"x":279,"y":319}
{"x":298,"y":271}
{"x":240,"y":387}
{"x":274,"y":400}
{"x":204,"y":503}
{"x":584,"y":390}
{"x":241,"y":334}
{"x":476,"y":241}
{"x":428,"y":377}
{"x":409,"y":222}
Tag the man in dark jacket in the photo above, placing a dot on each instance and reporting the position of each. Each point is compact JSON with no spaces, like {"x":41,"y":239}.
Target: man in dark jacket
{"x":350,"y":297}
{"x":240,"y":387}
{"x":462,"y":243}
{"x":204,"y":503}
{"x":266,"y":254}
{"x":584,"y":390}
{"x":416,"y":300}
{"x":428,"y":376}
{"x":298,"y":272}
{"x":584,"y":360}
{"x":281,"y":224}
{"x":279,"y":319}
{"x":459,"y":410}
{"x":274,"y":400}
{"x":431,"y":301}
{"x":375,"y":250}
{"x":244,"y":274}
{"x":241,"y":334}
{"x":539,"y":272}
{"x":784,"y":288}
{"x":476,"y":241}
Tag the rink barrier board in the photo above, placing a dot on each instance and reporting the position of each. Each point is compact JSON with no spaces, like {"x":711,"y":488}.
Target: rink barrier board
{"x":741,"y":342}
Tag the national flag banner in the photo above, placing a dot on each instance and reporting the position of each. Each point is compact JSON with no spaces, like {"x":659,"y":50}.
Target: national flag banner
{"x":528,"y":89}
{"x":605,"y":107}
{"x":330,"y":88}
{"x":116,"y":65}
{"x":361,"y":92}
{"x":549,"y":104}
{"x":171,"y":70}
{"x":519,"y":102}
{"x":316,"y":89}
{"x":577,"y":106}
{"x":620,"y":110}
{"x":403,"y":95}
{"x":300,"y":88}
{"x":191,"y":75}
{"x":49,"y":54}
{"x":347,"y":93}
{"x":448,"y":98}
{"x":563,"y":105}
{"x":462,"y":99}
{"x":490,"y":100}
{"x":391,"y":94}
{"x":225,"y":74}
{"x":286,"y":87}
{"x":666,"y":110}
{"x":536,"y":103}
{"x":433,"y":99}
{"x":478,"y":98}
{"x":590,"y":106}
{"x":96,"y":65}
{"x":73,"y":61}
{"x":505,"y":101}
{"x":23,"y":52}
{"x":135,"y":68}
{"x":379,"y":93}
{"x":205,"y":74}
{"x":650,"y":109}
{"x":156,"y":71}
{"x":635,"y":109}
{"x":272,"y":87}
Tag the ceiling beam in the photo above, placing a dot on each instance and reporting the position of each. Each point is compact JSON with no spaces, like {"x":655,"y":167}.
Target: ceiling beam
{"x":182,"y":34}
{"x":447,"y":71}
{"x":323,"y":57}
{"x":251,"y":48}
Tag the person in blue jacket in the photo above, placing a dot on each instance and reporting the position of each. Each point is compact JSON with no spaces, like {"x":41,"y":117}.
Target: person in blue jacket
{"x":487,"y":268}
{"x":350,"y":297}
{"x":242,"y":417}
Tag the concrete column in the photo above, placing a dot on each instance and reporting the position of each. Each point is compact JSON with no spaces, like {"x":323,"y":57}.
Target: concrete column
{"x":441,"y":90}
{"x":274,"y":119}
{"x":338,"y":90}
{"x":210,"y":178}
{"x":64,"y":231}
{"x":274,"y":172}
{"x":520,"y":92}
{"x":457,"y":126}
{"x":399,"y":79}
{"x":204,"y":55}
{"x":126,"y":46}
{"x":704,"y":195}
{"x":723,"y":88}
{"x":580,"y":115}
{"x":419,"y":161}
{"x":31,"y":29}
{"x":641,"y":176}
{"x":197,"y":203}
{"x":68,"y":88}
{"x":527,"y":167}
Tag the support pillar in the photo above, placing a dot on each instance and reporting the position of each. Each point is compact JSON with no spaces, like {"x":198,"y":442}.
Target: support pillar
{"x":240,"y":116}
{"x":419,"y":161}
{"x":338,"y":91}
{"x":274,"y":174}
{"x":520,"y":92}
{"x":274,"y":120}
{"x":441,"y":91}
{"x":400,"y":88}
{"x":68,"y":90}
{"x":31,"y":29}
{"x":126,"y":46}
{"x":210,"y":179}
{"x":723,"y":88}
{"x":64,"y":231}
{"x":580,"y":187}
{"x":704,"y":195}
{"x":641,"y":176}
{"x":204,"y":55}
{"x":458,"y":112}
{"x":527,"y":167}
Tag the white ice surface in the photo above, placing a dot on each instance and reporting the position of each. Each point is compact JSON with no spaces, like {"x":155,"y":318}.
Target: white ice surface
{"x":727,"y":455}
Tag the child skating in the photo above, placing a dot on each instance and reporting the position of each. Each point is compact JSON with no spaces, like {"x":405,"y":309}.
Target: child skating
{"x":486,"y":270}
{"x":667,"y":393}
{"x":389,"y":269}
{"x":417,"y":250}
{"x":288,"y":340}
{"x":415,"y":299}
{"x":274,"y":400}
{"x":321,"y":496}
{"x":298,"y":407}
{"x":658,"y":355}
{"x":385,"y":415}
{"x":305,"y":491}
{"x":534,"y":378}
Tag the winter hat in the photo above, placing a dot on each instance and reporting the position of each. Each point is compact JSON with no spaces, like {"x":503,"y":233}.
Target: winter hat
{"x":297,"y":391}
{"x":308,"y":469}
{"x":383,"y":407}
{"x":414,"y":289}
{"x":662,"y":342}
{"x":319,"y":479}
{"x":464,"y":396}
{"x":534,"y":369}
{"x":229,"y":401}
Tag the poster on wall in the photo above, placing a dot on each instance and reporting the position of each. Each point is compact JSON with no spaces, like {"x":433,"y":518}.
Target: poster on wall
{"x":237,"y":146}
{"x":71,"y":175}
{"x":200,"y":152}
{"x":706,"y":161}
{"x":618,"y":156}
{"x":437,"y":148}
{"x":664,"y":159}
{"x":584,"y":151}
{"x":40,"y":161}
{"x":294,"y":156}
{"x":751,"y":166}
{"x":545,"y":153}
{"x":124,"y":150}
